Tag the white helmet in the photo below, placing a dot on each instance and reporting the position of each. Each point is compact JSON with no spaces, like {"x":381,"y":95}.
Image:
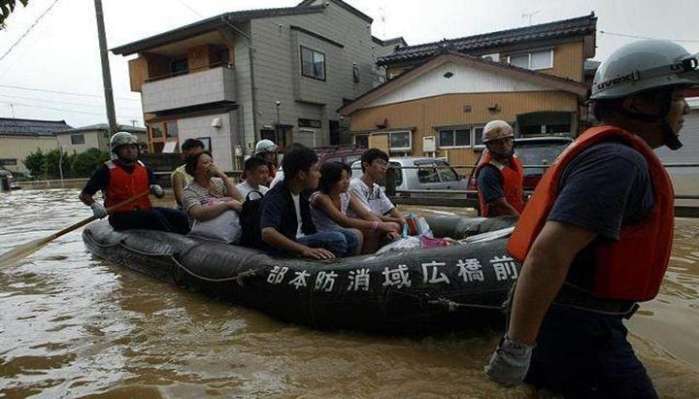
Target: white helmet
{"x":265,"y":146}
{"x":496,"y":130}
{"x":122,"y":138}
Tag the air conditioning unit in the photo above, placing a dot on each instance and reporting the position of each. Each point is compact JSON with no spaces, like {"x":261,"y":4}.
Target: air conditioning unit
{"x":428,"y":144}
{"x":495,"y":57}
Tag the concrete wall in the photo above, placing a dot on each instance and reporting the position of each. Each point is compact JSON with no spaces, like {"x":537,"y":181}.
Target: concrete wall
{"x":18,"y":147}
{"x":206,"y":86}
{"x":223,"y":139}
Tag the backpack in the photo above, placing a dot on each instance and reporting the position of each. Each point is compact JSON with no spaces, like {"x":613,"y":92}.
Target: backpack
{"x":250,"y":221}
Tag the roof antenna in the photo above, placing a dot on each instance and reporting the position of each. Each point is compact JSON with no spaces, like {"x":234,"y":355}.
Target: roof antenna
{"x":382,"y":18}
{"x":530,"y":15}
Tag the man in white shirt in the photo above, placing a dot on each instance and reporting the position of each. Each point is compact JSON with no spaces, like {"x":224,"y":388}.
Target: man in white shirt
{"x":374,"y":167}
{"x":256,"y":175}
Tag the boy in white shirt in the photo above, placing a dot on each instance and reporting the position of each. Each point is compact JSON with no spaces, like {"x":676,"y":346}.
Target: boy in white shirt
{"x":256,"y":175}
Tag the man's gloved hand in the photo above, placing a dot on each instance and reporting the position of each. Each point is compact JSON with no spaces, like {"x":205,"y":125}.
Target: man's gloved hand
{"x":98,"y":210}
{"x":509,"y":364}
{"x":157,"y":190}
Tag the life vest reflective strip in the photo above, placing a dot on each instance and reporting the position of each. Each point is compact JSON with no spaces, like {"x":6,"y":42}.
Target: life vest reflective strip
{"x":631,"y":268}
{"x":511,"y":177}
{"x":123,"y":186}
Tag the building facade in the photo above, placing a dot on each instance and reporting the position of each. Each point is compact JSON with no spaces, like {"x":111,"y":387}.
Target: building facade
{"x":439,"y":95}
{"x":94,"y":136}
{"x":21,"y":137}
{"x":235,"y":78}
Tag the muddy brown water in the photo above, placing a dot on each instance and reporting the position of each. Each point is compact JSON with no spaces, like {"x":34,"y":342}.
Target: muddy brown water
{"x":72,"y":325}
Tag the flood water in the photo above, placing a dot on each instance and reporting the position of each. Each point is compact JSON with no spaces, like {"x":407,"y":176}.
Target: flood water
{"x":72,"y":325}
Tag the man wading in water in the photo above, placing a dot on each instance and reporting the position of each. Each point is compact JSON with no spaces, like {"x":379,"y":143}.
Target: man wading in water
{"x":124,"y":178}
{"x":596,"y":237}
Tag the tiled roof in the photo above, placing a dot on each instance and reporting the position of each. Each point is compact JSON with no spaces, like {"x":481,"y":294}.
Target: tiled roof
{"x":30,"y":127}
{"x":552,"y":30}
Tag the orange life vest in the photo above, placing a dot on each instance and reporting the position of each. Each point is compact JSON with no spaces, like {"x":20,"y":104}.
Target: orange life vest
{"x":631,"y":268}
{"x":512,"y":178}
{"x":123,"y":186}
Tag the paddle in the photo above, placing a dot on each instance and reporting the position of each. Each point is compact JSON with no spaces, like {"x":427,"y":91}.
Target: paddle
{"x":29,"y":248}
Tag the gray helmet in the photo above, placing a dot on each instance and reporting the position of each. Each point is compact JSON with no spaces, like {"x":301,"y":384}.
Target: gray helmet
{"x":265,"y":145}
{"x":644,"y":65}
{"x":122,"y":138}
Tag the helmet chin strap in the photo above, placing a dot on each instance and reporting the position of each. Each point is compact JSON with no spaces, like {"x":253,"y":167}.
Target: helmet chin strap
{"x":670,"y":139}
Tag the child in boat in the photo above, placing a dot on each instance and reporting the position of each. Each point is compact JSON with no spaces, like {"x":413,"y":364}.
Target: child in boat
{"x":256,"y":176}
{"x":211,"y":200}
{"x":330,"y":206}
{"x":369,"y":193}
{"x":286,"y":224}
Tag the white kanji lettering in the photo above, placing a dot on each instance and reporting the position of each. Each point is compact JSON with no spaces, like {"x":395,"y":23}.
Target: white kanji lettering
{"x":431,"y":273}
{"x":505,"y":267}
{"x":325,"y":281}
{"x":470,"y":270}
{"x":276,"y":275}
{"x":359,"y":279}
{"x":398,"y":277}
{"x":300,"y":279}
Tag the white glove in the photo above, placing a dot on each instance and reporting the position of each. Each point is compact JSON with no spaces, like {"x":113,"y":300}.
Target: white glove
{"x":509,"y":364}
{"x":157,"y":190}
{"x":98,"y":210}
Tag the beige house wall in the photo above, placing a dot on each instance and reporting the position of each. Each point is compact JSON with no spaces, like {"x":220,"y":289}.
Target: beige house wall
{"x":17,"y":147}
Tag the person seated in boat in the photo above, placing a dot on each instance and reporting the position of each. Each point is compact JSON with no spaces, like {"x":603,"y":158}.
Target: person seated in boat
{"x":211,"y":200}
{"x":499,"y":173}
{"x":286,"y":224}
{"x":369,"y":193}
{"x":332,"y":202}
{"x":256,"y":177}
{"x":179,"y":177}
{"x":267,"y":150}
{"x":124,"y":178}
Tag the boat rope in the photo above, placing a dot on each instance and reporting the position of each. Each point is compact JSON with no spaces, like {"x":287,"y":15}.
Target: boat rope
{"x":452,"y":305}
{"x":237,"y":278}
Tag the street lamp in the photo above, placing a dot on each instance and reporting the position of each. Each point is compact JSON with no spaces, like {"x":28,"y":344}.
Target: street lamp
{"x":276,"y":127}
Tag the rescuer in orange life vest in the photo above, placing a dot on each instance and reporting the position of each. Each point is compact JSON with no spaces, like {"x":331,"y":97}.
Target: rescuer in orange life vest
{"x":499,"y":173}
{"x":596,"y":236}
{"x":126,"y":177}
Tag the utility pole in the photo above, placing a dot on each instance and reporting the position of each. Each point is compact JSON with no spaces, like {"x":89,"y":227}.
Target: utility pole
{"x":106,"y":74}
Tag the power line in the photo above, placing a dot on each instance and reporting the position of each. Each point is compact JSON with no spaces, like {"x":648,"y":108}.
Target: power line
{"x":64,"y":92}
{"x":28,"y":30}
{"x":60,"y":102}
{"x":55,"y":109}
{"x":182,"y":3}
{"x":604,"y":32}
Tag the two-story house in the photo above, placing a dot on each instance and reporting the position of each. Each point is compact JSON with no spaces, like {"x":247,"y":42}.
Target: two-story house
{"x":235,"y":78}
{"x":439,"y":95}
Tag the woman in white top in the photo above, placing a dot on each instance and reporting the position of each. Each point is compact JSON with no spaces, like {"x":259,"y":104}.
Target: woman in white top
{"x":330,"y":205}
{"x":209,"y":198}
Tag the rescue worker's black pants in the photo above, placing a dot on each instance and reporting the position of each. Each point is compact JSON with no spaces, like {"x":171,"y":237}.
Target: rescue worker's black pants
{"x":586,"y":355}
{"x":163,"y":219}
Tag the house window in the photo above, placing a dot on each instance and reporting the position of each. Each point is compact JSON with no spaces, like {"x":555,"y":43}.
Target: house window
{"x":77,"y":139}
{"x":355,"y":73}
{"x":8,"y":162}
{"x":156,"y":130}
{"x":312,"y":63}
{"x":478,"y":136}
{"x":400,"y":141}
{"x":179,"y":67}
{"x":172,"y":130}
{"x":534,"y":60}
{"x":460,"y":137}
{"x":361,"y":140}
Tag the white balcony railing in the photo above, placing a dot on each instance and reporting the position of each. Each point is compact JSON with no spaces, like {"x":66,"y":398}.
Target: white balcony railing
{"x":196,"y":88}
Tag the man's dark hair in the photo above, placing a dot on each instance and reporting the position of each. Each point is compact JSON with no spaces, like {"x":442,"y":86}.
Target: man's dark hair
{"x":191,"y":162}
{"x":331,"y":173}
{"x":371,"y":155}
{"x":192,"y":143}
{"x":299,"y":158}
{"x":253,"y":163}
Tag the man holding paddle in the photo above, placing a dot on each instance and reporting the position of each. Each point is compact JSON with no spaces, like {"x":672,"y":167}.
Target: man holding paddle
{"x":125,"y":178}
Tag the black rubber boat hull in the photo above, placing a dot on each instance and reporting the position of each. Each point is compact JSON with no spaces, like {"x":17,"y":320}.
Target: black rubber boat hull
{"x":422,"y":290}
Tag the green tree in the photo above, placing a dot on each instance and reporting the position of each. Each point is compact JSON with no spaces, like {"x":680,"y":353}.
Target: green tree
{"x":6,"y":8}
{"x":51,"y":164}
{"x":35,"y":163}
{"x":86,"y":162}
